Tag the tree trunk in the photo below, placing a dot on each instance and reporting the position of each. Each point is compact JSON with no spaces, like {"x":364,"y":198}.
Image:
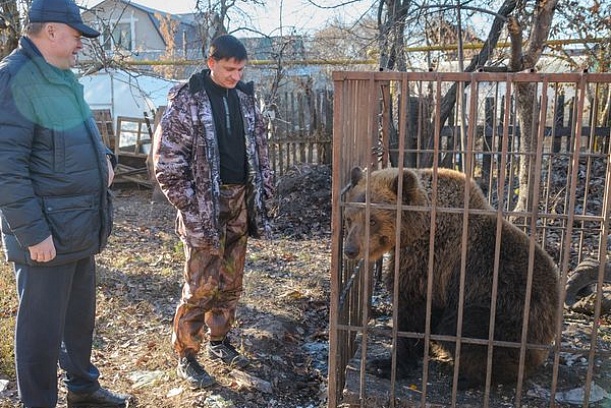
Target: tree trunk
{"x":526,"y":102}
{"x":391,"y":27}
{"x":449,"y":99}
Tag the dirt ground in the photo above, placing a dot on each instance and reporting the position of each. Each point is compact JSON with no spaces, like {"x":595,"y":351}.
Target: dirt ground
{"x":281,"y":324}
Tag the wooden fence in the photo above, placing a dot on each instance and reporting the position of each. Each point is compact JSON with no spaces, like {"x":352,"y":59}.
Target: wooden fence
{"x":300,"y":126}
{"x":488,"y":123}
{"x":557,"y":131}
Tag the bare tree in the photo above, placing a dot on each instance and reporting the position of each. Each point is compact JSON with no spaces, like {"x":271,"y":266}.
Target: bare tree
{"x":392,"y":19}
{"x":526,"y":94}
{"x":392,"y":16}
{"x":588,"y":23}
{"x":214,"y":17}
{"x":538,"y":18}
{"x":340,"y":41}
{"x":10,"y":27}
{"x":168,"y":27}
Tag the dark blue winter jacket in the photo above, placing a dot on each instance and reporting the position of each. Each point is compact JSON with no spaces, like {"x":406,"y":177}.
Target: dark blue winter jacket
{"x":53,"y":167}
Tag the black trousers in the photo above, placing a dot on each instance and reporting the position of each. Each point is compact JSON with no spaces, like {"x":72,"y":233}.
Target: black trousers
{"x":55,"y":322}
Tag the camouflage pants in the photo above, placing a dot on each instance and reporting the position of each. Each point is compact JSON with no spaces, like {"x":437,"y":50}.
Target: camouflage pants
{"x":213,"y":280}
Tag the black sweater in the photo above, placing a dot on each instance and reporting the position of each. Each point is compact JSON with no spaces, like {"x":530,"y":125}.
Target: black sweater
{"x":229,"y":131}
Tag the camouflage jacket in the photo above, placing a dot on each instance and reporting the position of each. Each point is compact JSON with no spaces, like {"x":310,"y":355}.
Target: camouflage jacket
{"x":186,"y":162}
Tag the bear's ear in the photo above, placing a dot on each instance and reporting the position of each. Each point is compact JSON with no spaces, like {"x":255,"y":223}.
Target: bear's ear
{"x":413,"y":193}
{"x":356,"y":175}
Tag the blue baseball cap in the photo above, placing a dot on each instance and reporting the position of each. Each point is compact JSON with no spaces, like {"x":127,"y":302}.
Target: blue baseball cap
{"x":60,"y":11}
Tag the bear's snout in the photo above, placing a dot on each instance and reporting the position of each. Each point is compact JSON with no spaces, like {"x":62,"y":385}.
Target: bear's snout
{"x":351,"y":251}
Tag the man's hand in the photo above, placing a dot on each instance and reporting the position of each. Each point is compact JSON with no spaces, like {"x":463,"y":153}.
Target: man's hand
{"x":43,"y":251}
{"x":111,"y":171}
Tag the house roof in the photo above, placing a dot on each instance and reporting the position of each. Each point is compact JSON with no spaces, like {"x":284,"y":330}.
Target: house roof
{"x":187,"y":18}
{"x":184,"y":18}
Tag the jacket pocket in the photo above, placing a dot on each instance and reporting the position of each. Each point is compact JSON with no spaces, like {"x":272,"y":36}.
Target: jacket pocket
{"x":74,"y":222}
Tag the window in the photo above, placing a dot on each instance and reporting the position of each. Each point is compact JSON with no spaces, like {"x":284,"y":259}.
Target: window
{"x":119,"y":38}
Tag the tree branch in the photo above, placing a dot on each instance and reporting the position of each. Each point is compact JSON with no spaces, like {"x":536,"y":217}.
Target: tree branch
{"x":449,"y":99}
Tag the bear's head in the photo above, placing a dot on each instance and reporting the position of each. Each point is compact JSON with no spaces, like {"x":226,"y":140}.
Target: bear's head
{"x":382,"y":186}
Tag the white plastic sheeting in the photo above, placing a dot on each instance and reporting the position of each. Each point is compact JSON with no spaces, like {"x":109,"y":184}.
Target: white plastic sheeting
{"x":125,"y":93}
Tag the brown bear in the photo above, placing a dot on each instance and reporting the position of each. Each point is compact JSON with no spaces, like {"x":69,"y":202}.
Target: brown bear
{"x":414,"y":246}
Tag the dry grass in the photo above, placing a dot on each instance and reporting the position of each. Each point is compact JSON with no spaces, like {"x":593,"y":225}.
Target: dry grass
{"x":8,"y":306}
{"x":284,"y":306}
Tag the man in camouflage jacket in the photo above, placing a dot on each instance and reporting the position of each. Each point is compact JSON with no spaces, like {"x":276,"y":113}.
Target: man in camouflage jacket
{"x":211,"y":162}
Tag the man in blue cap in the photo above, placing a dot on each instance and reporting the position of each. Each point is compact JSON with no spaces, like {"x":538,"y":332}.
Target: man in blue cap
{"x":55,"y":208}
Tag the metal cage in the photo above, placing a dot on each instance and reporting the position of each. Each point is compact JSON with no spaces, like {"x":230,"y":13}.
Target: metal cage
{"x":469,"y":122}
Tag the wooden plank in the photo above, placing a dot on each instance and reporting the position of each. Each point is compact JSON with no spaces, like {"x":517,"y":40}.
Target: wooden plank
{"x":103,"y":120}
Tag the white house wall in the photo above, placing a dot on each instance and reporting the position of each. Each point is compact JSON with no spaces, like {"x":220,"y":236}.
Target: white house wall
{"x":145,"y":36}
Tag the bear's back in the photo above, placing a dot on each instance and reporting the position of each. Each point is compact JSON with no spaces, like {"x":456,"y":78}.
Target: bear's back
{"x":451,"y":189}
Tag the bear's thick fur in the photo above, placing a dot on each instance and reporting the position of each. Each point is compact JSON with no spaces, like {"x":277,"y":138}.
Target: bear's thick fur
{"x":415,"y":235}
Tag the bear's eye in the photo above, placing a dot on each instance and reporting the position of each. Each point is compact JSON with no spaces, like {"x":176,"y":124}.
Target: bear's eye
{"x":372,"y":222}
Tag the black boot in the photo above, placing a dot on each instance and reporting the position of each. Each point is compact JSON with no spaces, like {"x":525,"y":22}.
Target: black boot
{"x":190,"y":369}
{"x":102,"y":398}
